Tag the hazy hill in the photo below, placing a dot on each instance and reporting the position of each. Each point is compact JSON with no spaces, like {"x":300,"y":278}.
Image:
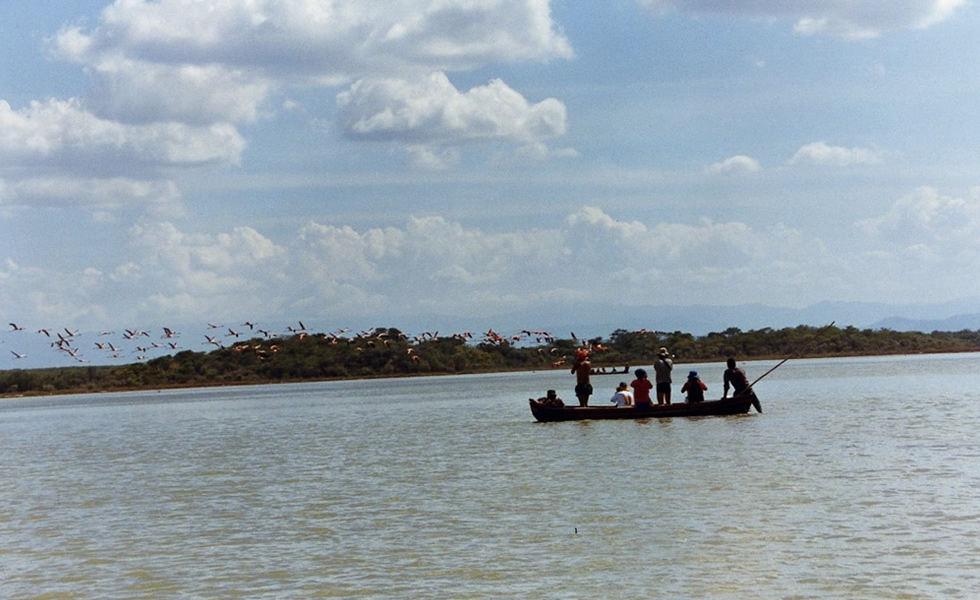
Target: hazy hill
{"x":969,"y":322}
{"x":601,"y":320}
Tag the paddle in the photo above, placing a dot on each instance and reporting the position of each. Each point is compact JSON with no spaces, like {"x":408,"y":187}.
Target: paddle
{"x":749,"y":390}
{"x":795,"y":354}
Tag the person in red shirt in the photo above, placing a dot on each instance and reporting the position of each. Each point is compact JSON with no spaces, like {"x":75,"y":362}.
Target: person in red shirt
{"x":641,"y":389}
{"x":694,"y":387}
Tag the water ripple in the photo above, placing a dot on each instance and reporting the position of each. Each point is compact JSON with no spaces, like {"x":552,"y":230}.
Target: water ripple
{"x":435,"y":488}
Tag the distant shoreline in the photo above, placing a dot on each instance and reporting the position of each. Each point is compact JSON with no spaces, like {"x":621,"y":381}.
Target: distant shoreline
{"x":230,"y":384}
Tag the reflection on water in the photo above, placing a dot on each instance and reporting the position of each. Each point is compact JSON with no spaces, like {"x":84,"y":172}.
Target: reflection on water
{"x":857,"y":482}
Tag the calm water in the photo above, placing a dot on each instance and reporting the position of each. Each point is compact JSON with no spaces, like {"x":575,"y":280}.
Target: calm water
{"x":858,"y":481}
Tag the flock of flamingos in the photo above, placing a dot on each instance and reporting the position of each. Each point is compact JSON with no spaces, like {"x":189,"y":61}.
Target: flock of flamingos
{"x":140,"y":344}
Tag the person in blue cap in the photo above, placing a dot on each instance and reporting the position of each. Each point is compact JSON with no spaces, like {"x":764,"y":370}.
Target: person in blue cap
{"x":694,"y":387}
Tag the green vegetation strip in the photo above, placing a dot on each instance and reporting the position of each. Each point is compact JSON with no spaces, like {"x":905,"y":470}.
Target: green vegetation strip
{"x":387,"y":352}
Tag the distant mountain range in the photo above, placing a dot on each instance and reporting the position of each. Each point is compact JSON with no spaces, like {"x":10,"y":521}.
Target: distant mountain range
{"x":969,"y":322}
{"x":588,"y":321}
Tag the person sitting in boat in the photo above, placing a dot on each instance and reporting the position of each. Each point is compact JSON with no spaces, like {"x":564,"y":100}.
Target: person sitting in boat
{"x":551,"y":399}
{"x":736,"y":379}
{"x":694,"y":387}
{"x":622,"y":397}
{"x":641,"y":390}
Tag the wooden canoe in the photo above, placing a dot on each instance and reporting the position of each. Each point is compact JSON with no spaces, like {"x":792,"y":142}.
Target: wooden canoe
{"x":611,"y":370}
{"x":734,"y":405}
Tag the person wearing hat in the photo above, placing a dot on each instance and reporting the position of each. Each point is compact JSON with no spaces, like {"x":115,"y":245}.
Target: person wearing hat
{"x":582,"y":369}
{"x":694,"y":387}
{"x":662,"y":367}
{"x":622,"y":397}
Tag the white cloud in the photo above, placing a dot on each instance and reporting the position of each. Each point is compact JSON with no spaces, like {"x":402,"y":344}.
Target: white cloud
{"x":926,"y":218}
{"x":663,"y":259}
{"x":927,"y":238}
{"x":421,"y":257}
{"x":203,"y":274}
{"x":540,"y":151}
{"x":218,"y":59}
{"x":196,"y":94}
{"x":820,"y":153}
{"x":431,"y":110}
{"x":431,"y":159}
{"x":57,"y":153}
{"x":63,"y":132}
{"x":243,"y":248}
{"x":842,"y":18}
{"x":431,"y":265}
{"x":736,"y":164}
{"x":161,"y":198}
{"x":326,"y":39}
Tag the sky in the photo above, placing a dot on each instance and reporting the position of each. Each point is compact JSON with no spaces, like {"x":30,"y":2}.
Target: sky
{"x":174,"y":163}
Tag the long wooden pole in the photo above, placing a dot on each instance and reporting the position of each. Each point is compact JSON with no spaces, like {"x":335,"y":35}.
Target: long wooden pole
{"x":795,"y":354}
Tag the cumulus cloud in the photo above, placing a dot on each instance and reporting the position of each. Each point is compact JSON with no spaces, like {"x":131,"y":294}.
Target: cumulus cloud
{"x":431,"y":111}
{"x":340,"y":39}
{"x":841,"y":18}
{"x":45,"y":145}
{"x":172,"y":81}
{"x":428,"y":265}
{"x":677,"y":252}
{"x":736,"y":164}
{"x":201,"y":271}
{"x":927,"y":218}
{"x":217,"y":59}
{"x":217,"y":62}
{"x":431,"y":265}
{"x":927,"y":237}
{"x":63,"y":131}
{"x":196,"y":94}
{"x":820,"y":153}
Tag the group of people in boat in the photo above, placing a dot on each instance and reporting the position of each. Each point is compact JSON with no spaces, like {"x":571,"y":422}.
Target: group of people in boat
{"x":638,"y":393}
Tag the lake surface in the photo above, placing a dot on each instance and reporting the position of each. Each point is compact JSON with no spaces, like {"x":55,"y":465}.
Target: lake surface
{"x":859,"y":481}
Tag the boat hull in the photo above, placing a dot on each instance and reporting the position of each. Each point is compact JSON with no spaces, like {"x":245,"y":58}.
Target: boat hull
{"x":737,"y":405}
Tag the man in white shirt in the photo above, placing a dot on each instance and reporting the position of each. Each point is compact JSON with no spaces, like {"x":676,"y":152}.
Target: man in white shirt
{"x":622,"y":397}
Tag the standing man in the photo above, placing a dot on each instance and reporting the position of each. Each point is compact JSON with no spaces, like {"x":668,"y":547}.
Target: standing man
{"x":662,"y":367}
{"x":582,"y":369}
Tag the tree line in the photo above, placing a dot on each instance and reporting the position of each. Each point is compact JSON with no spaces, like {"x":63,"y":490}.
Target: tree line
{"x":387,"y":352}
